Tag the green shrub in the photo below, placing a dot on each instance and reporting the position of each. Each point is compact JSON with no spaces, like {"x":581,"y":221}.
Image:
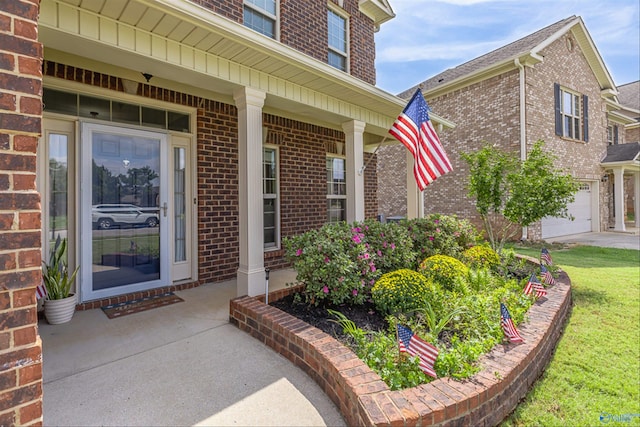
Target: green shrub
{"x":339,"y":263}
{"x":445,"y":271}
{"x":401,"y":291}
{"x":334,"y":264}
{"x":481,"y":257}
{"x":440,"y":234}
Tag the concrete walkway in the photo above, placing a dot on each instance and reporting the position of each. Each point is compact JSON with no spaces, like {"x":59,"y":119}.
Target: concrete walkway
{"x":184,"y":365}
{"x":178,"y":365}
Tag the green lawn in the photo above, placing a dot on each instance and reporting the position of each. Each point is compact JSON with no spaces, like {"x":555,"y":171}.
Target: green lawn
{"x":594,"y":376}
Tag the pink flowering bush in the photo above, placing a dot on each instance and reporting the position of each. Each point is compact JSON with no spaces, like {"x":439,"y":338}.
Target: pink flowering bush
{"x":440,"y":235}
{"x":339,"y":263}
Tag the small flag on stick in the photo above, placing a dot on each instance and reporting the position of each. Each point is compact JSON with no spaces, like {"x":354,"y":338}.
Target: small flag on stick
{"x":534,"y":285}
{"x":508,"y":327}
{"x":547,"y":277}
{"x":545,"y":257}
{"x":412,"y":344}
{"x":414,"y":129}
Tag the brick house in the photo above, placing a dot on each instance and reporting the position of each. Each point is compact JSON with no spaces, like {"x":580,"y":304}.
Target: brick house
{"x":174,"y":144}
{"x":550,"y":85}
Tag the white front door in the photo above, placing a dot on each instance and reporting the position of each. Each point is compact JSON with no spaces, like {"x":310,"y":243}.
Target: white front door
{"x":124,"y":202}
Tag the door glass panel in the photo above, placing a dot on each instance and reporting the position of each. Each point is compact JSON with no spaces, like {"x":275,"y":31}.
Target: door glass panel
{"x":179,"y":196}
{"x":58,"y":187}
{"x":125,"y":214}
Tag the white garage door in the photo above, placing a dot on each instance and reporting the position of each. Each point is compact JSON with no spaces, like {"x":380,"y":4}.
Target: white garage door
{"x":581,"y":211}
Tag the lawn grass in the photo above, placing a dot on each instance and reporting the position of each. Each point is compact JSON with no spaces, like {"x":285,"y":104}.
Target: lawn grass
{"x":594,"y":377}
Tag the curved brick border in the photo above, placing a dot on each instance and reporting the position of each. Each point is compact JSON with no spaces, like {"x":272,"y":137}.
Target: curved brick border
{"x":485,"y":399}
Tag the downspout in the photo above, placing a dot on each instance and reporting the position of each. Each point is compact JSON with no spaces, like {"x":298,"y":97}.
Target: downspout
{"x":523,"y":129}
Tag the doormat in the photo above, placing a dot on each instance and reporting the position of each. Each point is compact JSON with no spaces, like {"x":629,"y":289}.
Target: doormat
{"x":135,"y":306}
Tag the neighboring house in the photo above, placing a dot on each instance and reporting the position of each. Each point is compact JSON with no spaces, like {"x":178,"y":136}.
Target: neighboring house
{"x":234,"y":123}
{"x":550,"y":85}
{"x":629,"y":97}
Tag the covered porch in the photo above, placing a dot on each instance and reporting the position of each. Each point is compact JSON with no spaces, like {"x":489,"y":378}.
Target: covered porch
{"x":622,"y":164}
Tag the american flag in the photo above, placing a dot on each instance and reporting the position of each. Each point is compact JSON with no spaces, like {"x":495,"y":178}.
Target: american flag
{"x":41,"y":291}
{"x":546,"y":276}
{"x":414,"y":129}
{"x":507,"y":325}
{"x":412,"y":344}
{"x":534,"y":285}
{"x":546,"y":257}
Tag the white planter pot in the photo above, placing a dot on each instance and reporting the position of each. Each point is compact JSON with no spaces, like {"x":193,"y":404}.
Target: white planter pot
{"x":60,"y":310}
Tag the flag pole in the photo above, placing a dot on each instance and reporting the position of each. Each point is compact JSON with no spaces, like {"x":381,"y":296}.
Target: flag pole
{"x":361,"y":171}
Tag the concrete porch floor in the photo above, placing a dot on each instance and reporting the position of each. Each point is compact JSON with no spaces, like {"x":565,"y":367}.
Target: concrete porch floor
{"x":179,"y":365}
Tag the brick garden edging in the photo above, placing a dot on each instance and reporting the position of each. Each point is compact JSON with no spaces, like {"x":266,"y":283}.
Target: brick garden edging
{"x":485,"y":399}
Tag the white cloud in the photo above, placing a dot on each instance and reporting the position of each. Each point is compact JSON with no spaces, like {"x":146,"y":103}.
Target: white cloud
{"x":440,"y":34}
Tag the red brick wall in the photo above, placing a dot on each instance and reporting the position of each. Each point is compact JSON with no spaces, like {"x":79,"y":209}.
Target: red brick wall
{"x":20,"y":119}
{"x":302,"y":174}
{"x":507,"y":372}
{"x":303,"y":26}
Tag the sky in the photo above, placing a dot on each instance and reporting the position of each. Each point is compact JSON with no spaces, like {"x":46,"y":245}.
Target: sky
{"x":429,"y":36}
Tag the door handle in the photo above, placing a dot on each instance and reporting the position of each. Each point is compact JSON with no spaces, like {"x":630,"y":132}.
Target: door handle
{"x":164,"y":208}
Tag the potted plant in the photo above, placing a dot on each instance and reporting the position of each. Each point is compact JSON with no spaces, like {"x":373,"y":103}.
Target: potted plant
{"x":60,"y":302}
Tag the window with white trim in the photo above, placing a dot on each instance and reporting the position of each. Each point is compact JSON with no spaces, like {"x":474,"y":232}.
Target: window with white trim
{"x":572,"y":114}
{"x":338,"y":35}
{"x":271,"y":199}
{"x":336,"y":189}
{"x":262,"y":16}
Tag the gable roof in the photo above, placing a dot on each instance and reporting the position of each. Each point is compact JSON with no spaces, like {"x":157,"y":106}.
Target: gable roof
{"x":524,"y":51}
{"x":629,"y":95}
{"x":622,"y":153}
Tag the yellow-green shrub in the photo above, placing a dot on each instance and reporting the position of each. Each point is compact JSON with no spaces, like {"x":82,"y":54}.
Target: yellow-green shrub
{"x":444,"y":270}
{"x":401,"y":291}
{"x":481,"y":256}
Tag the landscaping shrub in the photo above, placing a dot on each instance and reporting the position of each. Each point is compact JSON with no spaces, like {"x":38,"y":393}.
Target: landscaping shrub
{"x":445,"y":271}
{"x":452,"y":306}
{"x":440,"y":235}
{"x":401,"y":291}
{"x":481,"y":257}
{"x":339,"y":263}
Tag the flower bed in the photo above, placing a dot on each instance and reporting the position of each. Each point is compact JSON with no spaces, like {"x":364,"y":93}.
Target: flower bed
{"x":507,"y":372}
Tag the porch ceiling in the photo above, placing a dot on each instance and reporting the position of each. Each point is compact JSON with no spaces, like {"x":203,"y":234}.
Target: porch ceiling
{"x":180,"y":42}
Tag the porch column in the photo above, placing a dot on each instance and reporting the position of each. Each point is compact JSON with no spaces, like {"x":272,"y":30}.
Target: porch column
{"x":354,"y":149}
{"x":618,"y":184}
{"x":636,"y":199}
{"x":415,"y":197}
{"x":251,"y":275}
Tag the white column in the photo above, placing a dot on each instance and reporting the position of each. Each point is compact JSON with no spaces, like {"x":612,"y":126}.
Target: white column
{"x":415,"y":197}
{"x":354,"y":149}
{"x":618,"y":182}
{"x":636,"y":199}
{"x":251,"y":274}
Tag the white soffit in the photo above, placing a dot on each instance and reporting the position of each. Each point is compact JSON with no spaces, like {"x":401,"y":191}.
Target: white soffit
{"x":195,"y":46}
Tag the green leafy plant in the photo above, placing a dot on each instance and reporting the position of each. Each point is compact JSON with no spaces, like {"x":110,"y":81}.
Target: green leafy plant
{"x":481,"y":257}
{"x":438,"y":234}
{"x":55,"y":273}
{"x":339,"y":263}
{"x":511,"y":193}
{"x":444,"y":270}
{"x":430,"y":317}
{"x":401,"y":291}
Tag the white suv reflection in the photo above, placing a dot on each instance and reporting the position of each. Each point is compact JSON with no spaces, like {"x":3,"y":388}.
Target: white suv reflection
{"x":105,"y":216}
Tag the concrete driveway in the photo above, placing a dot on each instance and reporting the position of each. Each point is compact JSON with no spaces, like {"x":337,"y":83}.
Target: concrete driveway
{"x":628,"y":240}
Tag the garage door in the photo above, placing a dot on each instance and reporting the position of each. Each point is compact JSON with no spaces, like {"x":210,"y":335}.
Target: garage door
{"x":581,"y":211}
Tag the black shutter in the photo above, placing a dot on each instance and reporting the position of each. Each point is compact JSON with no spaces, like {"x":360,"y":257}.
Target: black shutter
{"x":585,"y":119}
{"x":615,"y":134}
{"x":556,"y":98}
